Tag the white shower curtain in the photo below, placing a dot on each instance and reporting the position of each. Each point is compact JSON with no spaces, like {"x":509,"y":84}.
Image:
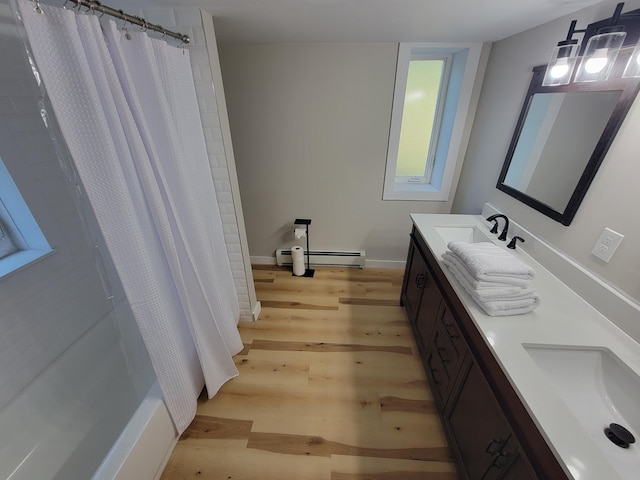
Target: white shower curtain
{"x":129,"y":116}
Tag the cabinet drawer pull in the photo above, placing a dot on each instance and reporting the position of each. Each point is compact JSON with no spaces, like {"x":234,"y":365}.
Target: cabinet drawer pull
{"x":452,"y":335}
{"x":501,"y":460}
{"x":435,"y":379}
{"x":495,"y":445}
{"x":443,"y":358}
{"x":420,"y":280}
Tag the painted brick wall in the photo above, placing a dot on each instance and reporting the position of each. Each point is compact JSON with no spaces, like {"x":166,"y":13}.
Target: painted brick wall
{"x":188,"y":21}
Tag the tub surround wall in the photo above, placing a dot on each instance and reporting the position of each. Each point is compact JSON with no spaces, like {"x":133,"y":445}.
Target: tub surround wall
{"x":613,"y":196}
{"x":49,"y":304}
{"x":74,"y":367}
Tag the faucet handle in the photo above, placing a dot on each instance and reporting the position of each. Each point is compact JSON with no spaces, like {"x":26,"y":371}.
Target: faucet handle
{"x":512,"y":243}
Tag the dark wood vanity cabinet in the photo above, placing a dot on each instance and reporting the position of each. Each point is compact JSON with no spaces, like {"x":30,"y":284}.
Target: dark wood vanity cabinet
{"x":480,"y":435}
{"x":420,"y":294}
{"x":490,"y":433}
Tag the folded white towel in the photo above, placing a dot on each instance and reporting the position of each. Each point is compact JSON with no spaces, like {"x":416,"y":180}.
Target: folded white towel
{"x":486,"y":261}
{"x":513,"y":284}
{"x":516,"y":305}
{"x":510,"y":293}
{"x":510,"y":311}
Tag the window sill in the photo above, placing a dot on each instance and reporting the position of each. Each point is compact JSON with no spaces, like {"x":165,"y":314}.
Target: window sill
{"x":21,"y":260}
{"x":419,"y":192}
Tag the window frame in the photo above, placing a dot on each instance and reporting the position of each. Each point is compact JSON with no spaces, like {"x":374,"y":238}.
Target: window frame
{"x":455,"y":111}
{"x":21,"y":225}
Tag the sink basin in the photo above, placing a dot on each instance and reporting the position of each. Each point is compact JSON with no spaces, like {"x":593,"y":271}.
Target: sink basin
{"x":599,"y":389}
{"x":455,"y":233}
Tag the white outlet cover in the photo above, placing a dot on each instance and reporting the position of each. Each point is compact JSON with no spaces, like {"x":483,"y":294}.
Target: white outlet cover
{"x":607,"y":244}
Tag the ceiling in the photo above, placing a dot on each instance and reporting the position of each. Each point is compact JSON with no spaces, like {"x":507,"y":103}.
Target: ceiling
{"x":345,"y":21}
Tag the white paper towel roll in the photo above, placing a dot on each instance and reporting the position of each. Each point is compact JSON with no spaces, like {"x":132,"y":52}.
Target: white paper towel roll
{"x":297,"y":255}
{"x":300,"y":232}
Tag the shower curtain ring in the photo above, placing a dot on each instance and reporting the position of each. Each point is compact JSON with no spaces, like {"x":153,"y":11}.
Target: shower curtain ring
{"x":127,"y":35}
{"x":38,"y":8}
{"x":64,"y":5}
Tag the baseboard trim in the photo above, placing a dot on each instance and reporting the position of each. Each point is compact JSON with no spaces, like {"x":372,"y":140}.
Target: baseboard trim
{"x":384,"y":264}
{"x":263,"y":260}
{"x":256,"y":311}
{"x":367,"y":264}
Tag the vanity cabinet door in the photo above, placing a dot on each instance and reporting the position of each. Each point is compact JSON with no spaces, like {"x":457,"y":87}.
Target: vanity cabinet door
{"x":429,"y":310}
{"x":414,"y":281}
{"x":476,"y":425}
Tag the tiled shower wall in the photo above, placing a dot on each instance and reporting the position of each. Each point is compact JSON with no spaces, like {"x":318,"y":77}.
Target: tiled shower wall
{"x":48,"y":304}
{"x":189,"y":21}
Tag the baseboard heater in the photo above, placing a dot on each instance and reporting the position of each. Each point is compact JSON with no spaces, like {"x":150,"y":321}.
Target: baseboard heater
{"x":324,"y":257}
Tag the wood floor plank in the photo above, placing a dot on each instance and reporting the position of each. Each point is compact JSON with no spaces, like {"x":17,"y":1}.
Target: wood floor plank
{"x":345,"y":467}
{"x":329,"y":333}
{"x":398,"y":404}
{"x":215,"y":463}
{"x":320,"y":287}
{"x":326,"y":347}
{"x":215,"y":427}
{"x":368,"y":370}
{"x":318,"y":446}
{"x":382,"y":302}
{"x":409,"y":431}
{"x":330,"y":388}
{"x":274,"y":371}
{"x":251,"y":402}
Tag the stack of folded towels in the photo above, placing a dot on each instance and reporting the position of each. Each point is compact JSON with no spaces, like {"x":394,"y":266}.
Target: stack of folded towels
{"x":496,"y":280}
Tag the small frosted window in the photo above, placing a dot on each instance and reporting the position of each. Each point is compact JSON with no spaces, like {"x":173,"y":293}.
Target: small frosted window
{"x":21,"y":240}
{"x":420,"y":120}
{"x":7,"y":246}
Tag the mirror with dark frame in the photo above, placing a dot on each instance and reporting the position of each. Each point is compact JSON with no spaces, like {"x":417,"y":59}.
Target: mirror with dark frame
{"x":562,"y":136}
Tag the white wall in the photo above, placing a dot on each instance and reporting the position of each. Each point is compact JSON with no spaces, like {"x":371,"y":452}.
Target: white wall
{"x":613,"y":196}
{"x":310,"y":127}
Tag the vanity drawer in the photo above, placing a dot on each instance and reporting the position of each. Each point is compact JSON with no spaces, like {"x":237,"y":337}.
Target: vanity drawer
{"x":452,"y":332}
{"x":438,"y":376}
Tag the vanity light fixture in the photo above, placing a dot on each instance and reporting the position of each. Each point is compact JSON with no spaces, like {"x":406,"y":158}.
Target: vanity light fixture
{"x":602,"y":50}
{"x":599,"y":55}
{"x":563,"y":60}
{"x":633,"y":65}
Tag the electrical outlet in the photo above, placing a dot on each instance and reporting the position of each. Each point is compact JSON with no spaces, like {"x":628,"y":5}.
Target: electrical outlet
{"x":607,"y":244}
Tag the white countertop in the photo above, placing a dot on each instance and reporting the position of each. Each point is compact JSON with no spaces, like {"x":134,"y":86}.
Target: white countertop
{"x":562,"y":318}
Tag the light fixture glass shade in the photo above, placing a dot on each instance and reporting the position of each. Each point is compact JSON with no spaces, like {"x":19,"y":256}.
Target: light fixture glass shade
{"x":599,"y":56}
{"x":561,"y":64}
{"x":633,"y":65}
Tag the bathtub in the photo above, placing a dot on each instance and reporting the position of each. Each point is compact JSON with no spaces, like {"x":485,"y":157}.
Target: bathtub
{"x":95,"y":412}
{"x":144,"y":446}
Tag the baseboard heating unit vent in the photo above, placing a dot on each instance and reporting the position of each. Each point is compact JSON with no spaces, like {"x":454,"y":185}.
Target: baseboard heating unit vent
{"x":323,"y":257}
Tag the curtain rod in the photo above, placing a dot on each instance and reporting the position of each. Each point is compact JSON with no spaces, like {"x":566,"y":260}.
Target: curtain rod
{"x":93,"y":5}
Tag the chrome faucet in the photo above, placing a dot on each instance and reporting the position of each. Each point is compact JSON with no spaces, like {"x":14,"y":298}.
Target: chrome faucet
{"x":503,"y":234}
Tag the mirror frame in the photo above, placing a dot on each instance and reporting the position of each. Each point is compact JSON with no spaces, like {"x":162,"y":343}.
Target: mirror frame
{"x":629,"y":89}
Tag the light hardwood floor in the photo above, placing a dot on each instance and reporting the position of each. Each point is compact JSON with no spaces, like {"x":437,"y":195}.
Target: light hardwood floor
{"x":330,"y":388}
